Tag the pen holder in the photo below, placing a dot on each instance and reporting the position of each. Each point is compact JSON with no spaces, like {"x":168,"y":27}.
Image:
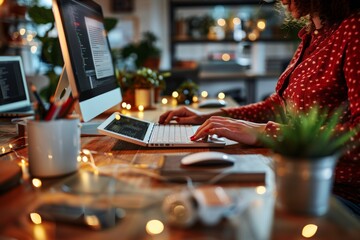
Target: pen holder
{"x":53,"y":147}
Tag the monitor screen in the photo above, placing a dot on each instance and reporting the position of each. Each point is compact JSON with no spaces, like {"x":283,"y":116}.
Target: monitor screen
{"x":13,"y":88}
{"x":87,"y":56}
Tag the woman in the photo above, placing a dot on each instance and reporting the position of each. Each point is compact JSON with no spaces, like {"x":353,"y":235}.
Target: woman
{"x":324,"y":71}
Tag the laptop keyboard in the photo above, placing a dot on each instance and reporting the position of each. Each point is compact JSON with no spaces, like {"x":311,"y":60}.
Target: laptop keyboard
{"x":171,"y":134}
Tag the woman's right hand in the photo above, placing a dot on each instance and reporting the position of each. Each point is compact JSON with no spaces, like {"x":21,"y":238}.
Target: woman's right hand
{"x":184,"y":115}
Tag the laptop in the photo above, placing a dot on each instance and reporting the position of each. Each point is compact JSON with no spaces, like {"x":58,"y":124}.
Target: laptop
{"x":14,"y":93}
{"x":151,"y":134}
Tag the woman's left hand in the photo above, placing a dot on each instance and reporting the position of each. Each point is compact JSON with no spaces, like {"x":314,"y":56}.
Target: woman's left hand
{"x":237,"y":130}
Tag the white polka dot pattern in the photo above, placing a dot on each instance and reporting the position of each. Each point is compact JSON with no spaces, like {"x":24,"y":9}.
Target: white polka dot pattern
{"x":324,"y":71}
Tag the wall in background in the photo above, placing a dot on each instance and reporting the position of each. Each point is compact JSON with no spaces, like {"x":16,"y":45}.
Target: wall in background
{"x":149,"y":15}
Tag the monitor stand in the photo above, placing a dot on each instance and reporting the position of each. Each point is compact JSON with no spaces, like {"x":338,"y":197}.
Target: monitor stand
{"x":63,"y":91}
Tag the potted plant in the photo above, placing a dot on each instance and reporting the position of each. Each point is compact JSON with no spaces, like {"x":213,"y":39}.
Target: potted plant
{"x":186,"y":91}
{"x":146,"y":51}
{"x":144,"y":85}
{"x":306,"y":151}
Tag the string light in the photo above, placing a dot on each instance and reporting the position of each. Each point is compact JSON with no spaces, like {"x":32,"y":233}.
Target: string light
{"x":141,"y":108}
{"x":204,"y":94}
{"x":36,"y":182}
{"x":164,"y":101}
{"x":175,"y":94}
{"x":221,"y":95}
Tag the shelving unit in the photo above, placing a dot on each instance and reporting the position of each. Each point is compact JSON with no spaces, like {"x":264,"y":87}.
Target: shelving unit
{"x":186,"y":44}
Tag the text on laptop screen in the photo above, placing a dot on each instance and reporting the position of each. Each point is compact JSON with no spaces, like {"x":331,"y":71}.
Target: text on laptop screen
{"x":11,"y":83}
{"x":129,"y":127}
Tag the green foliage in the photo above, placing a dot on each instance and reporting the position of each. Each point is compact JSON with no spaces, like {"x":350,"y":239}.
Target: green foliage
{"x":143,"y":78}
{"x":309,"y":134}
{"x":144,"y":49}
{"x":187,"y":90}
{"x":51,"y":50}
{"x":41,"y":15}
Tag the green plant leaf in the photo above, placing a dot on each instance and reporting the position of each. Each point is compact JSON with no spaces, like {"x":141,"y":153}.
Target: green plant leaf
{"x":41,"y":15}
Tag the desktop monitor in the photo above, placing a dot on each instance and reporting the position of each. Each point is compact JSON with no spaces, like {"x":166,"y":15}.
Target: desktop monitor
{"x":89,"y":71}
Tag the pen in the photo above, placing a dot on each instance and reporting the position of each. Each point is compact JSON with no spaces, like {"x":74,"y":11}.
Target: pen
{"x":40,"y":106}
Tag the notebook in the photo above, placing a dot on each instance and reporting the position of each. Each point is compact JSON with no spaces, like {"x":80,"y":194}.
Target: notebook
{"x":248,"y":168}
{"x":151,"y":134}
{"x":14,"y":93}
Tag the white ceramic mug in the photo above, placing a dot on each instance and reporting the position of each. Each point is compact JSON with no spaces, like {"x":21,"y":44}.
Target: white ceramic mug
{"x":53,"y":147}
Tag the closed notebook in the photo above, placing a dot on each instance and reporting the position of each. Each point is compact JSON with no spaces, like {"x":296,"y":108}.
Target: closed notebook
{"x":250,"y":169}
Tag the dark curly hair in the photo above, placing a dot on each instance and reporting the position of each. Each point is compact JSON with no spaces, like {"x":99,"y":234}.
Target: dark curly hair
{"x":329,"y":11}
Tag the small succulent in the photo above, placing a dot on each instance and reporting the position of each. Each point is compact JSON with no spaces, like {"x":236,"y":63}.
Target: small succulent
{"x":309,"y":134}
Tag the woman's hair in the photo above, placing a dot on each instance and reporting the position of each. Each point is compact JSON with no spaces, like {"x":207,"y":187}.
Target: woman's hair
{"x":329,"y":11}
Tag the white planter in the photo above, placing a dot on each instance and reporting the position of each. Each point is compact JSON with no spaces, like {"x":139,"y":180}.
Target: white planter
{"x":144,"y":97}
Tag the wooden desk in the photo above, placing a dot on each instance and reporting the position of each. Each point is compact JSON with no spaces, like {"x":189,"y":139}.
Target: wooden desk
{"x":141,"y":197}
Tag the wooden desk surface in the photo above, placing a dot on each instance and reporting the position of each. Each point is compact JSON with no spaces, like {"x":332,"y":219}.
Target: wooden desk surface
{"x":140,"y":195}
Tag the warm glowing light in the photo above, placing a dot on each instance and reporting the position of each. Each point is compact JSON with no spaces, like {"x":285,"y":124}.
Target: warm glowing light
{"x":85,"y":159}
{"x":261,"y":190}
{"x":175,"y":94}
{"x":236,"y":21}
{"x":10,"y":146}
{"x":35,"y":218}
{"x":204,"y":94}
{"x":226,"y":57}
{"x":123,"y":104}
{"x":221,"y":22}
{"x":86,"y":151}
{"x":1,"y":2}
{"x":3,"y":150}
{"x":39,"y":232}
{"x":36,"y":182}
{"x":141,"y":108}
{"x":261,"y":24}
{"x":154,"y":227}
{"x":92,"y":221}
{"x":117,"y":117}
{"x":78,"y":158}
{"x":29,"y":37}
{"x":164,"y":101}
{"x":309,"y":230}
{"x":22,"y":31}
{"x":33,"y":49}
{"x":128,"y":106}
{"x":221,"y":95}
{"x":195,"y":99}
{"x":253,"y":36}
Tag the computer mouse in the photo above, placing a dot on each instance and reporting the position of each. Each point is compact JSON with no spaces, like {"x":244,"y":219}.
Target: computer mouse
{"x":212,"y":103}
{"x":208,"y":159}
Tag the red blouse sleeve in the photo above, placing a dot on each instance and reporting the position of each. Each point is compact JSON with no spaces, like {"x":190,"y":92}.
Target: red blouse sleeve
{"x":260,"y":112}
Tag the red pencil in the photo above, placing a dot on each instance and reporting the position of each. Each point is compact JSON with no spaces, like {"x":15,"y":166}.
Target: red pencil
{"x":66,"y":107}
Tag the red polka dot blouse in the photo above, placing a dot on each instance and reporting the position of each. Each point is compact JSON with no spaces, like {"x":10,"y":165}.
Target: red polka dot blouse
{"x":324,"y":71}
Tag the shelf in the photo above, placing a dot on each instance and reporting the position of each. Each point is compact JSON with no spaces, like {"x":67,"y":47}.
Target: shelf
{"x":203,"y":3}
{"x":194,"y":41}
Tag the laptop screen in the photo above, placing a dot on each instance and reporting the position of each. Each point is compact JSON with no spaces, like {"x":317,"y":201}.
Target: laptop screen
{"x":13,"y":88}
{"x":129,"y":127}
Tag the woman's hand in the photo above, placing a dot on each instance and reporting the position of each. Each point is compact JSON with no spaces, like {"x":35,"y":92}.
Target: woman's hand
{"x":236,"y":130}
{"x":185,"y":115}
